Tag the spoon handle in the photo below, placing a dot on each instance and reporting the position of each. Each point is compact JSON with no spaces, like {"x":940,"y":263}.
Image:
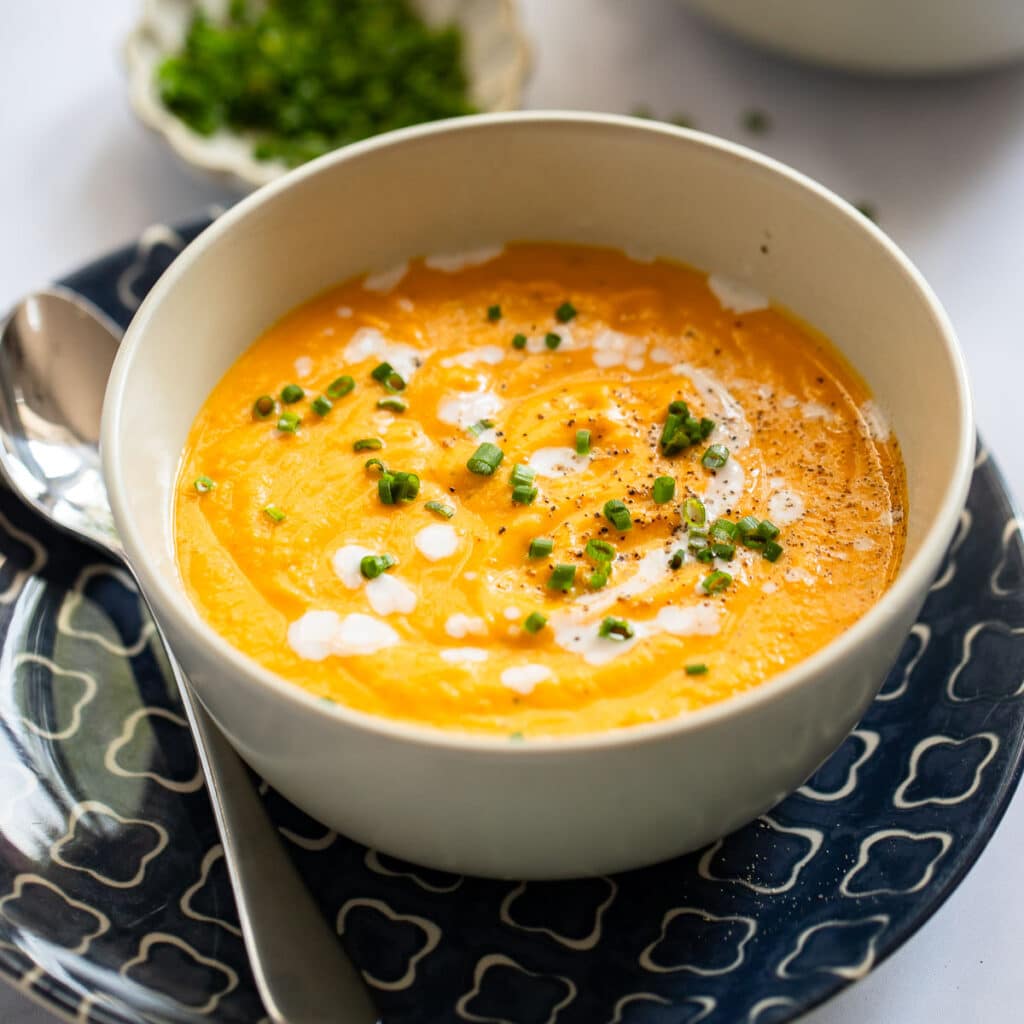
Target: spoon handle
{"x":301,"y":974}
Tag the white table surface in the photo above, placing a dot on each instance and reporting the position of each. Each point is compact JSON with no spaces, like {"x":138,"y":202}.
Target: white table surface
{"x":943,"y":162}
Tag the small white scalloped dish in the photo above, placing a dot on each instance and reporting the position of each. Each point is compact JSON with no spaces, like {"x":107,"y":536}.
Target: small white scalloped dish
{"x":496,"y":54}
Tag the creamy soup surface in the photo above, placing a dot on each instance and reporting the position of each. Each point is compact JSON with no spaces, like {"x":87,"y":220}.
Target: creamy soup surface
{"x":537,"y":490}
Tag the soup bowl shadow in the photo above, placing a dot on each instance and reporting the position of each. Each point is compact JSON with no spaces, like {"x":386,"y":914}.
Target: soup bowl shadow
{"x":559,"y":807}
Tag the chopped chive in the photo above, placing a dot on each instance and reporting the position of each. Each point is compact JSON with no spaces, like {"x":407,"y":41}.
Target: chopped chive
{"x":748,"y":526}
{"x":405,"y":486}
{"x":618,"y":515}
{"x":374,"y":464}
{"x":480,"y":426}
{"x":288,"y":422}
{"x":485,"y":460}
{"x":273,"y":512}
{"x":757,"y":122}
{"x":565,"y":312}
{"x":204,"y":484}
{"x":722,"y":550}
{"x":715,"y":582}
{"x":371,"y":566}
{"x":321,"y":405}
{"x":705,"y":555}
{"x":600,"y":550}
{"x":582,"y":442}
{"x":519,"y":341}
{"x":562,"y":577}
{"x":552,"y":340}
{"x":679,"y":408}
{"x":368,"y":444}
{"x":264,"y":407}
{"x":767,"y":530}
{"x":524,"y":494}
{"x":706,"y":426}
{"x":754,"y":542}
{"x":340,"y":386}
{"x":615,"y":629}
{"x":392,"y":404}
{"x":385,"y":488}
{"x":440,"y":508}
{"x":724,"y":530}
{"x":494,"y":314}
{"x":292,"y":393}
{"x":772,"y":550}
{"x":535,"y":622}
{"x":664,"y":490}
{"x":541,"y":547}
{"x":598,"y":579}
{"x":694,"y":514}
{"x":696,"y":669}
{"x":386,"y":374}
{"x":677,"y":559}
{"x":697,"y":540}
{"x":715,"y":457}
{"x":521,"y":475}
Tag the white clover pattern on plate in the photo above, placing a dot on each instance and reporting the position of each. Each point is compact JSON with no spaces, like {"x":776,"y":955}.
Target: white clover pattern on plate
{"x":115,"y":906}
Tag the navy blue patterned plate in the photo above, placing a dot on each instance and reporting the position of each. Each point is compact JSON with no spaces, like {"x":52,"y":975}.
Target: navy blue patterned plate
{"x":115,"y":905}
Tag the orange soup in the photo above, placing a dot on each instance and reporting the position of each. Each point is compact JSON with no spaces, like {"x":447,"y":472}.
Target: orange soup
{"x":538,"y":490}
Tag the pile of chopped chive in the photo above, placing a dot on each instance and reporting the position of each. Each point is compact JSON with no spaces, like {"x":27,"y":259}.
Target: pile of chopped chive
{"x":304,"y":77}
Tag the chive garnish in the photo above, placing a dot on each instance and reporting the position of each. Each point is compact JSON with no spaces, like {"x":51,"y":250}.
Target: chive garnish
{"x":681,"y":429}
{"x":582,"y":442}
{"x":696,"y":669}
{"x":485,"y":460}
{"x":724,"y":530}
{"x":772,"y":550}
{"x":440,"y":508}
{"x":552,"y":340}
{"x":748,"y":526}
{"x":565,"y":312}
{"x":371,"y":566}
{"x":368,"y":444}
{"x":494,"y":314}
{"x":273,"y":512}
{"x":617,"y":513}
{"x":705,"y":554}
{"x":679,"y":408}
{"x":615,"y":629}
{"x":321,"y":405}
{"x":292,"y":393}
{"x":598,"y":578}
{"x":541,"y":547}
{"x":599,"y":550}
{"x":524,"y":494}
{"x":535,"y":622}
{"x":721,"y":549}
{"x":716,"y":456}
{"x":204,"y":484}
{"x":677,"y":559}
{"x":519,"y":341}
{"x":767,"y":530}
{"x":521,"y":475}
{"x":664,"y":490}
{"x":694,"y":514}
{"x":340,"y":386}
{"x":386,"y":374}
{"x":264,"y":407}
{"x":374,"y":464}
{"x":288,"y":422}
{"x":562,"y":577}
{"x":392,"y":404}
{"x":715,"y":582}
{"x":393,"y":487}
{"x":480,"y":426}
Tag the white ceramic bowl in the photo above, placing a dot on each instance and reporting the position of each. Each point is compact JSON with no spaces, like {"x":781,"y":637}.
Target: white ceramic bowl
{"x":593,"y":803}
{"x":905,"y":37}
{"x":496,"y":55}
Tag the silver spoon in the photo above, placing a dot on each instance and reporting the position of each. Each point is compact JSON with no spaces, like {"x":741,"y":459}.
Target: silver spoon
{"x":56,"y":351}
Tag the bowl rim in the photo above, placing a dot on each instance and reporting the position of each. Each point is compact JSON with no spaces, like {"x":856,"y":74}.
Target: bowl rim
{"x":914,"y":577}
